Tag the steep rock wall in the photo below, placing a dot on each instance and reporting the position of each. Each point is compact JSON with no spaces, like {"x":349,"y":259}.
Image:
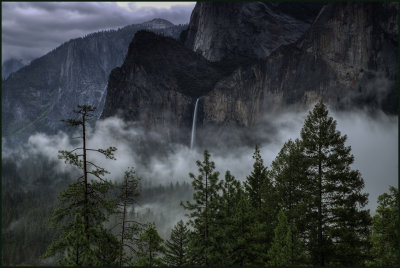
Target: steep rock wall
{"x":348,"y":58}
{"x":252,"y":29}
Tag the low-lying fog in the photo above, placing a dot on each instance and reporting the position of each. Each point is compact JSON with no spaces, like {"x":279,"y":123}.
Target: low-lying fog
{"x":373,"y":139}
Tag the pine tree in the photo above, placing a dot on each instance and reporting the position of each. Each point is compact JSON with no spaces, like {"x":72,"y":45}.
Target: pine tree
{"x":385,"y":230}
{"x":150,"y":248}
{"x":286,"y":249}
{"x":223,"y":239}
{"x":176,"y":246}
{"x":233,"y":223}
{"x":242,"y":254}
{"x":260,"y":192}
{"x":280,"y":251}
{"x":289,"y":171}
{"x":203,"y":211}
{"x":129,"y":229}
{"x":339,"y":224}
{"x":84,"y":203}
{"x":254,"y":182}
{"x":78,"y":254}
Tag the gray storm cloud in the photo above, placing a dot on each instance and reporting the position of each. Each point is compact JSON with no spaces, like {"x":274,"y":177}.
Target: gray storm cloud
{"x":373,"y":140}
{"x":32,"y":29}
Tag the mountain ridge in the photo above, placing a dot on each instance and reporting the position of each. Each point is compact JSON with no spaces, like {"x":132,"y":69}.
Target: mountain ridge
{"x":39,"y":95}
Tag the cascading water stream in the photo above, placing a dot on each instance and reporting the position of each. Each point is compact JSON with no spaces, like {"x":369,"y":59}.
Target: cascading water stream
{"x":194,"y":124}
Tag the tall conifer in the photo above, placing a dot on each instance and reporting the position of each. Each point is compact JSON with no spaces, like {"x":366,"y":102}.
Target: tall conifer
{"x":385,"y":230}
{"x":176,"y":246}
{"x":203,"y":211}
{"x":84,"y":203}
{"x":150,"y":248}
{"x":260,"y":193}
{"x":339,"y":222}
{"x":129,"y":228}
{"x":289,"y":172}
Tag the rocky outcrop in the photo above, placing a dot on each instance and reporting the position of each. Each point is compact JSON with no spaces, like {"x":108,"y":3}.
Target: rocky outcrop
{"x":158,"y":84}
{"x":252,"y":29}
{"x":39,"y":95}
{"x":348,"y":58}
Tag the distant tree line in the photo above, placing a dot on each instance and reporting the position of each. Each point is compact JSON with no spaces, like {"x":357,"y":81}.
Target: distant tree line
{"x":307,"y":208}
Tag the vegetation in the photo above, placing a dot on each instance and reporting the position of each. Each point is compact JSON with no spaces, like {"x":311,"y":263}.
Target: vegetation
{"x":279,"y":253}
{"x":338,"y":230}
{"x":203,"y":212}
{"x":129,"y":229}
{"x":306,"y":209}
{"x":176,"y":246}
{"x":150,"y":248}
{"x":385,"y":230}
{"x":83,"y":206}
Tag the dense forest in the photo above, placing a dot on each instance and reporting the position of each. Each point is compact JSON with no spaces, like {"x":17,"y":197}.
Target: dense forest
{"x":306,"y":208}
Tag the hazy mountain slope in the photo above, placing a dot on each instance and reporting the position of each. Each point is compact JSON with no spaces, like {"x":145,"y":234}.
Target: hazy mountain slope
{"x":10,"y":66}
{"x":39,"y":95}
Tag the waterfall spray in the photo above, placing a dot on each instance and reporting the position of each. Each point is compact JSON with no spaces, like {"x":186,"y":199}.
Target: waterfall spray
{"x":194,"y":124}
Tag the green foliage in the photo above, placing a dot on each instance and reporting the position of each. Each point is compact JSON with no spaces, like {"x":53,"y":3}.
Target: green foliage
{"x":75,"y":242}
{"x":150,"y":248}
{"x":241,"y":253}
{"x":84,"y":202}
{"x":385,"y":230}
{"x":286,"y":248}
{"x":289,"y":171}
{"x":30,"y":196}
{"x":233,"y":224}
{"x":25,"y":230}
{"x":280,"y":251}
{"x":254,"y":183}
{"x":129,"y":229}
{"x":338,"y":225}
{"x":176,"y":246}
{"x":261,"y":195}
{"x":203,"y":211}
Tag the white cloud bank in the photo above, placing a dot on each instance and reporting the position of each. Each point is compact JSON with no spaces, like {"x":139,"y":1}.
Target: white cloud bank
{"x":373,"y":140}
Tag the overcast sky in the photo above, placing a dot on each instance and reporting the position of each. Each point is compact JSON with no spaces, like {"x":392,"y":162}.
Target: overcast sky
{"x":32,"y":29}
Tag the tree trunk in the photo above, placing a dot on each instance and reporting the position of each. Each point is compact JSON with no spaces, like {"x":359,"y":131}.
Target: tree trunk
{"x":85,"y":175}
{"x":123,"y":222}
{"x":320,"y":240}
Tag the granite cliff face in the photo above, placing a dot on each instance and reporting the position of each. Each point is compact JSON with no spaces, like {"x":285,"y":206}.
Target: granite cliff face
{"x":158,"y":84}
{"x":249,"y":30}
{"x":39,"y":95}
{"x":346,"y":54}
{"x":348,"y":58}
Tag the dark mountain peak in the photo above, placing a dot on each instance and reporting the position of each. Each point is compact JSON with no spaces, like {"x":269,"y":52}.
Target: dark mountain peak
{"x":169,"y":59}
{"x":157,"y":83}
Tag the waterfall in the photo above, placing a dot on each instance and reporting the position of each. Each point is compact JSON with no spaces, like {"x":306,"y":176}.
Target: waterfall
{"x":194,"y":124}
